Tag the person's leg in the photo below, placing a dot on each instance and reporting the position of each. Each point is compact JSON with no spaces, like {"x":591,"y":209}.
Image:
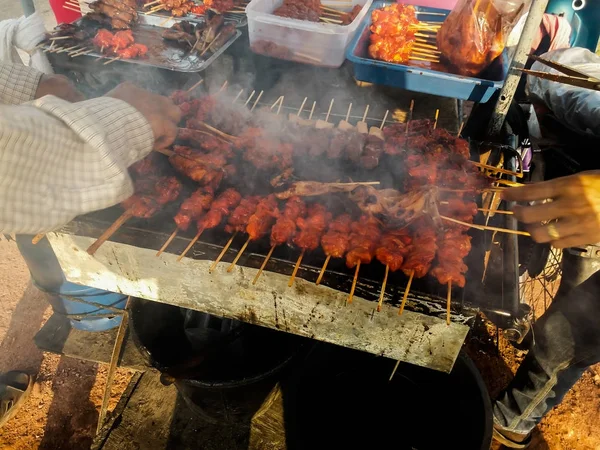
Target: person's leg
{"x":566,"y":340}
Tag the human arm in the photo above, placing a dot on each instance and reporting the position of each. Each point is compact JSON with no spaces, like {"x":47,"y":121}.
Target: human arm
{"x":60,"y":159}
{"x":570,"y":218}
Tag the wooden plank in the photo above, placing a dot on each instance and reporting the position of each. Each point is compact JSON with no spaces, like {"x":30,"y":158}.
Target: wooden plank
{"x":305,"y":309}
{"x":57,"y":336}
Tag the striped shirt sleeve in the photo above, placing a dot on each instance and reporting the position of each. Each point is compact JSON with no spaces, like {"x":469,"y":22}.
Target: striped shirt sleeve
{"x":60,"y":159}
{"x":18,"y":83}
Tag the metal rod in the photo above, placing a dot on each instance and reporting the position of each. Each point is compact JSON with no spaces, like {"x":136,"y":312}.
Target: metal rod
{"x":531,"y":28}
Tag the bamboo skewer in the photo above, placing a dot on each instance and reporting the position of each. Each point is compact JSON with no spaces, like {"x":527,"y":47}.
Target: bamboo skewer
{"x":418,"y":58}
{"x":263,"y":265}
{"x":437,"y":115}
{"x":256,"y":101}
{"x":60,"y":38}
{"x":237,"y":257}
{"x":191,"y":244}
{"x":112,"y":60}
{"x":334,"y":21}
{"x":448,"y":300}
{"x":410,"y":278}
{"x":223,"y":87}
{"x":211,"y":43}
{"x":382,"y":294}
{"x":301,"y":107}
{"x":166,"y":244}
{"x":351,"y":296}
{"x":109,"y":232}
{"x":312,"y":110}
{"x":280,"y":99}
{"x":196,"y":85}
{"x":214,"y":264}
{"x":485,"y":227}
{"x":496,"y":169}
{"x":348,"y":112}
{"x":249,"y":98}
{"x":81,"y":53}
{"x":322,"y":272}
{"x":71,"y":9}
{"x":329,"y":110}
{"x":384,"y":119}
{"x":296,"y":267}
{"x":37,"y":238}
{"x":335,"y":11}
{"x":164,"y":22}
{"x":462,"y":125}
{"x":237,"y":96}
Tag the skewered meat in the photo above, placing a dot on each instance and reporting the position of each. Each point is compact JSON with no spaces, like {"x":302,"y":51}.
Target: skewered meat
{"x":392,"y":36}
{"x":121,"y":15}
{"x":150,"y":194}
{"x":264,"y":152}
{"x":348,"y":18}
{"x":421,"y":251}
{"x":454,"y":246}
{"x":211,"y":31}
{"x":312,"y":227}
{"x":284,"y":228}
{"x":393,"y":248}
{"x":313,"y":188}
{"x":123,"y":39}
{"x":200,"y":167}
{"x":133,"y":51}
{"x":336,"y":240}
{"x":193,"y":207}
{"x":224,"y":34}
{"x":260,"y":222}
{"x":300,"y":9}
{"x":364,"y":236}
{"x":103,"y":39}
{"x":219,"y":6}
{"x":219,"y":209}
{"x":238,"y":220}
{"x":205,"y":141}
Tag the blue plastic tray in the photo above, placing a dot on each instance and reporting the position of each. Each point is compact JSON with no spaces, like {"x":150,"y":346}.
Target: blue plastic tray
{"x":416,"y":78}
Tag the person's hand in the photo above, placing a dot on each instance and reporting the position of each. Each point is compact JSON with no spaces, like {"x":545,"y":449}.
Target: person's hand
{"x":160,"y":112}
{"x":59,"y":86}
{"x":572,"y":214}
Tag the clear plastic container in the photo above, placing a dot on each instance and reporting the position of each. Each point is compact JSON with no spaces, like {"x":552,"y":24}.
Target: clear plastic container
{"x":319,"y":44}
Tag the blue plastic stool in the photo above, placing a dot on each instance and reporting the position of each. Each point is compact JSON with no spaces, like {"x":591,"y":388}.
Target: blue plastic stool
{"x":84,"y":306}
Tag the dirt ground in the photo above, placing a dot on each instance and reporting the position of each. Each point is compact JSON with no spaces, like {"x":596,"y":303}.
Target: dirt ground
{"x":63,"y":410}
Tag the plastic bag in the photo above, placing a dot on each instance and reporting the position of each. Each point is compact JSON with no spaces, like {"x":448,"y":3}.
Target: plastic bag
{"x":575,"y":107}
{"x":475,"y":32}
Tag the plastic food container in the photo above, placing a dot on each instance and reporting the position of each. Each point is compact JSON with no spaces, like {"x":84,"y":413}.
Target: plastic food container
{"x":420,"y":79}
{"x":319,"y":44}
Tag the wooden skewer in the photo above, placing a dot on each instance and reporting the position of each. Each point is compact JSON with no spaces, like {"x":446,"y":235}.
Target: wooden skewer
{"x":424,"y":53}
{"x":166,"y":244}
{"x":191,"y":244}
{"x":364,"y":117}
{"x":437,"y":115}
{"x":112,"y":60}
{"x":263,"y":265}
{"x":81,"y":53}
{"x":462,"y":124}
{"x":301,"y":107}
{"x":427,"y":37}
{"x":296,"y":267}
{"x":494,"y":211}
{"x":237,"y":257}
{"x":249,"y":98}
{"x":214,"y":264}
{"x":157,"y":8}
{"x":322,"y":272}
{"x":312,"y":110}
{"x":426,"y":44}
{"x":496,"y":169}
{"x":70,"y":49}
{"x":223,"y":86}
{"x":351,"y":296}
{"x":60,"y":38}
{"x":448,"y":300}
{"x":335,"y":11}
{"x":237,"y":96}
{"x":329,"y":110}
{"x":418,"y":58}
{"x":382,"y":294}
{"x":348,"y":112}
{"x":384,"y":119}
{"x":37,"y":238}
{"x":164,"y":22}
{"x":211,"y":44}
{"x":412,"y":275}
{"x":110,"y":231}
{"x":256,"y":101}
{"x":71,"y":9}
{"x":196,"y":85}
{"x":485,"y":227}
{"x":225,"y":136}
{"x":280,"y":105}
{"x":424,"y":48}
{"x":276,"y":102}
